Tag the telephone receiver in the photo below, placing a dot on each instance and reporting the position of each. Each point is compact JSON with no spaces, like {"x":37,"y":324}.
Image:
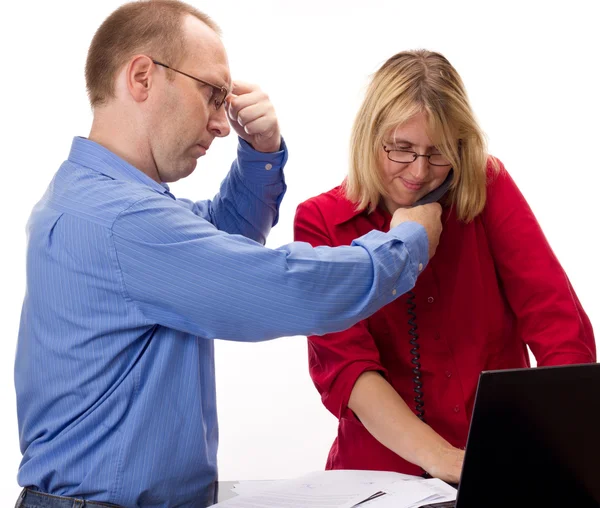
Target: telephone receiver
{"x":437,"y":193}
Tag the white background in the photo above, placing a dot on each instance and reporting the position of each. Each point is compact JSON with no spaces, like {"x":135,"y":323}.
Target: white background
{"x":531,"y":72}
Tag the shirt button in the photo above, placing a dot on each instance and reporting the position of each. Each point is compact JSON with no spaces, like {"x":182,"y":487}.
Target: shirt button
{"x":456,"y":409}
{"x":394,"y":292}
{"x":268,"y":166}
{"x":448,"y":374}
{"x":436,"y":336}
{"x":430,"y":299}
{"x":420,"y":266}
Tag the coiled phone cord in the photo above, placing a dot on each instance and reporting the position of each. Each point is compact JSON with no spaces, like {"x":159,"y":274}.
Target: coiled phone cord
{"x":414,"y":337}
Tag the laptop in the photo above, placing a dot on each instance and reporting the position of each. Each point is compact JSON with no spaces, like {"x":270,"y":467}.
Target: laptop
{"x":534,"y":440}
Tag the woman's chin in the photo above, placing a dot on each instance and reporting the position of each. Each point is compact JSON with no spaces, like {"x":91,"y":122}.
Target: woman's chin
{"x":405,"y":202}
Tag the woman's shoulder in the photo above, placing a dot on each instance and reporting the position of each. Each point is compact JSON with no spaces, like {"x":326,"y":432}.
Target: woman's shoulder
{"x":327,"y":199}
{"x":496,"y":172}
{"x":504,"y":200}
{"x":333,"y":207}
{"x":332,"y":203}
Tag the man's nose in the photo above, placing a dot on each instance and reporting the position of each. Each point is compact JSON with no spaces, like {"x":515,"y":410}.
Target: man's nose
{"x":218,"y":124}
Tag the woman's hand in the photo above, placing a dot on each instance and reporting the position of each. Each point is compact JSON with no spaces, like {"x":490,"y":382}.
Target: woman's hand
{"x":446,"y":463}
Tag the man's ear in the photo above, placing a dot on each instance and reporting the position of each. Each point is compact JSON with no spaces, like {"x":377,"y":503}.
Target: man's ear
{"x":138,"y":76}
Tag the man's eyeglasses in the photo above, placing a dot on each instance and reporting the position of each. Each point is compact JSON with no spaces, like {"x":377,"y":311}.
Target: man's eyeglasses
{"x":408,"y":156}
{"x":219,"y":93}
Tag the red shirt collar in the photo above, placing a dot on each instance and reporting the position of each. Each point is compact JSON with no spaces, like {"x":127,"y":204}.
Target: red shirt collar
{"x":346,"y":211}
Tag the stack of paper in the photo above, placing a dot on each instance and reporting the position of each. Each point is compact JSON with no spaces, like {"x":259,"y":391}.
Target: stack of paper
{"x":341,"y":489}
{"x":253,"y":487}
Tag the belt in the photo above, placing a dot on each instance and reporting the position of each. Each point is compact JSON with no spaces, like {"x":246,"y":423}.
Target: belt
{"x":44,"y":499}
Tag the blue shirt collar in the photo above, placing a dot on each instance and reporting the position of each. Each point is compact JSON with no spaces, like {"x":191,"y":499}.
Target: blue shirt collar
{"x":91,"y":155}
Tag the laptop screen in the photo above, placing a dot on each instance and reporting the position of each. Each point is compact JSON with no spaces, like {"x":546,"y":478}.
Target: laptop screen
{"x":534,"y":439}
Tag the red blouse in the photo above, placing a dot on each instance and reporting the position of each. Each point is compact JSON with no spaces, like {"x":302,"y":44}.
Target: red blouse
{"x":493,"y":287}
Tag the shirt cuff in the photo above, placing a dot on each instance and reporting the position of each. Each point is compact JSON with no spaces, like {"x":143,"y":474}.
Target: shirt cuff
{"x":415,"y":239}
{"x":261,"y":167}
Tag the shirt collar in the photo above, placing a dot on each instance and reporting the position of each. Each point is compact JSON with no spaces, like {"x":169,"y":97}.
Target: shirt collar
{"x":91,"y":155}
{"x":346,"y":211}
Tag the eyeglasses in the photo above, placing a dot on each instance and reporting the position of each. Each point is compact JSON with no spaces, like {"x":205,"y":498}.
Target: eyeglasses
{"x":408,"y":156}
{"x":219,"y":93}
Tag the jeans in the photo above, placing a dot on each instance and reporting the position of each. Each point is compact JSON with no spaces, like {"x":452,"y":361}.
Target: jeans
{"x":31,"y":499}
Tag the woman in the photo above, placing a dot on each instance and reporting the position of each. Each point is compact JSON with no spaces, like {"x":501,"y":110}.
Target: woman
{"x":493,"y":287}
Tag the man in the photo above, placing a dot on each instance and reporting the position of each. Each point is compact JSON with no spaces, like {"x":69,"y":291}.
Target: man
{"x":127,"y":285}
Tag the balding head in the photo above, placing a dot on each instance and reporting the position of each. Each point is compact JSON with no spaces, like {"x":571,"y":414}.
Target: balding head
{"x":154,"y":27}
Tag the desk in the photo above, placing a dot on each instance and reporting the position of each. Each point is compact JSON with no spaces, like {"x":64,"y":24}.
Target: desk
{"x":225,"y":492}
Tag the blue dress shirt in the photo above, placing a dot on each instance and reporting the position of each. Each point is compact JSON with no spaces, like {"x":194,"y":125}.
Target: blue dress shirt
{"x":127,"y":287}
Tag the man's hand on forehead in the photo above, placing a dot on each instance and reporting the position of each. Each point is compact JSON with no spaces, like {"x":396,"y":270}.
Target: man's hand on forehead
{"x":252,"y":116}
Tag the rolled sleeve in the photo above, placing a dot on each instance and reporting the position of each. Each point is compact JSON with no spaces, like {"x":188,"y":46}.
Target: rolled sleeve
{"x":337,"y":360}
{"x":337,"y":397}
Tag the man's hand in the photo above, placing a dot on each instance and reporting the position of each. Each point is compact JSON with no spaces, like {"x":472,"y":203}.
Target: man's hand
{"x":446,"y":464}
{"x":252,"y":116}
{"x":429,"y":216}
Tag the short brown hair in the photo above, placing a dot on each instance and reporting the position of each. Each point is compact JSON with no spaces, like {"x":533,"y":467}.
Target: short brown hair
{"x":408,"y":83}
{"x":146,"y":26}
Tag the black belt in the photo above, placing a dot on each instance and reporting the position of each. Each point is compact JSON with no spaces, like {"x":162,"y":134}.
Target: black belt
{"x":31,"y":496}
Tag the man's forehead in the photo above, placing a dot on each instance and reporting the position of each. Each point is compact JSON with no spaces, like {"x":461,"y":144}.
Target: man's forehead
{"x":217,"y":74}
{"x":207,"y":56}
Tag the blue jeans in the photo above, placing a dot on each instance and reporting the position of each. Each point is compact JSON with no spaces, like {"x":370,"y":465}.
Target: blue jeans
{"x":32,"y":499}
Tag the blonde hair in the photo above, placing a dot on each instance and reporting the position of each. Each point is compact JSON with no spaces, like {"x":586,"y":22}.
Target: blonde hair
{"x":408,"y":83}
{"x":147,"y":26}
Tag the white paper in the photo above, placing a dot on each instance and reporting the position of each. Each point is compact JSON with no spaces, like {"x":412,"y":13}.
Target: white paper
{"x":253,"y":486}
{"x":305,"y":495}
{"x":341,"y":489}
{"x":352,"y":476}
{"x":413,"y":493}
